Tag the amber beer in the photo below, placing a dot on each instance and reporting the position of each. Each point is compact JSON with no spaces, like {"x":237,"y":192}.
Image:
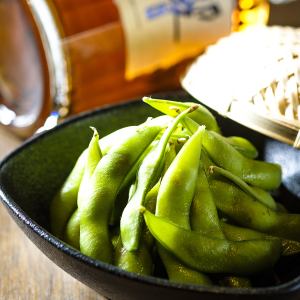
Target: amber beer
{"x":61,"y":57}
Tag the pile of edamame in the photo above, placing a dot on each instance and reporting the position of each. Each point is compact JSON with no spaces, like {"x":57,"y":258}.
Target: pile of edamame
{"x":173,"y":193}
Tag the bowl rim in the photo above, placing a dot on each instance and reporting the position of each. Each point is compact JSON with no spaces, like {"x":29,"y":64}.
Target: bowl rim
{"x":289,"y":287}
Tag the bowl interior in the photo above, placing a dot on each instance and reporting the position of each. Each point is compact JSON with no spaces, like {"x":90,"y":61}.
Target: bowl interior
{"x":31,"y":175}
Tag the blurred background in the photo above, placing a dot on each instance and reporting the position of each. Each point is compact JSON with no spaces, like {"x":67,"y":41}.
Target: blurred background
{"x":62,"y":57}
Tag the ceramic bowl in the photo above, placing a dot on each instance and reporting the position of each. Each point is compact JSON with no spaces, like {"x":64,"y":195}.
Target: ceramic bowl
{"x":30,"y":176}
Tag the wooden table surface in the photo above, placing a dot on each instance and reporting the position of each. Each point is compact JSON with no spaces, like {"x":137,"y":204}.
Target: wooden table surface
{"x":26,"y":273}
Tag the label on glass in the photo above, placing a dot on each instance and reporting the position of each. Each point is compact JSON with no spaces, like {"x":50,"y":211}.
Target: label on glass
{"x":160,"y":33}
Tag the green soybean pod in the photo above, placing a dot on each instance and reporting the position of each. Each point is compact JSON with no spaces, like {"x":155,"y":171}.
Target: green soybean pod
{"x":257,"y":193}
{"x":257,"y":173}
{"x":174,"y":200}
{"x":65,"y":202}
{"x":150,"y":204}
{"x":147,"y":176}
{"x":248,"y":212}
{"x":235,"y":233}
{"x":127,"y":189}
{"x":119,"y":135}
{"x":179,"y":272}
{"x":212,"y":255}
{"x":72,"y":230}
{"x":178,"y":183}
{"x":202,"y":115}
{"x":204,"y":218}
{"x":204,"y":215}
{"x":95,"y":211}
{"x":138,"y":261}
{"x":150,"y":201}
{"x":170,"y":155}
{"x":93,"y":155}
{"x":206,"y":162}
{"x":243,"y":145}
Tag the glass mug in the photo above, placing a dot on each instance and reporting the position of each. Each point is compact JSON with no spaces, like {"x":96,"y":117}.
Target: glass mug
{"x":61,"y":57}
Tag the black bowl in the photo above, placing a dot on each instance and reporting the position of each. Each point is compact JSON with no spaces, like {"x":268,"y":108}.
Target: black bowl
{"x":30,"y":176}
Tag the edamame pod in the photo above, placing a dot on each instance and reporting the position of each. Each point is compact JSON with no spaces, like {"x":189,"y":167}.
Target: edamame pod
{"x":204,"y":215}
{"x":147,"y":176}
{"x":72,"y":230}
{"x":93,"y":155}
{"x":235,"y":233}
{"x":125,"y":194}
{"x":138,"y":261}
{"x":180,"y":273}
{"x":174,"y":200}
{"x":213,"y":255}
{"x":242,"y":145}
{"x":247,"y":212}
{"x":118,"y":136}
{"x":65,"y":202}
{"x":257,"y":193}
{"x":170,"y":156}
{"x":257,"y":173}
{"x":178,"y":184}
{"x":103,"y":188}
{"x":204,"y":218}
{"x":202,"y":115}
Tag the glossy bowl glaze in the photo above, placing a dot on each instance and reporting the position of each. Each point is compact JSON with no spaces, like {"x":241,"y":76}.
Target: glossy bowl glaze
{"x":30,"y":176}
